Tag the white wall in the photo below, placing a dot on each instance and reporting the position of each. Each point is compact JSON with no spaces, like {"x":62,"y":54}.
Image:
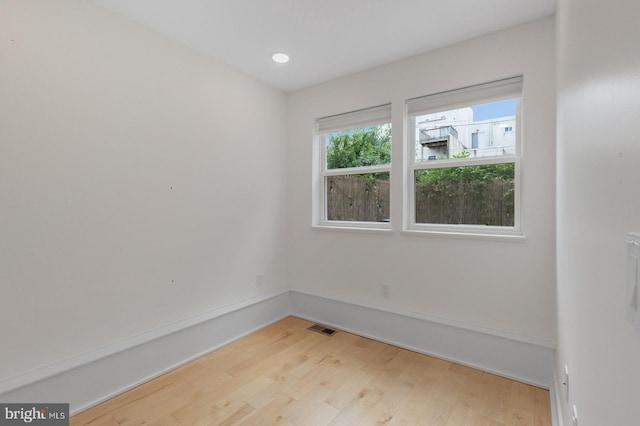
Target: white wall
{"x":128,"y":199}
{"x":509,"y":286}
{"x":598,"y":158}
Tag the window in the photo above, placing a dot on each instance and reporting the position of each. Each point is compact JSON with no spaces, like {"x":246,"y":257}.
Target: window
{"x":355,"y":168}
{"x":464,"y":160}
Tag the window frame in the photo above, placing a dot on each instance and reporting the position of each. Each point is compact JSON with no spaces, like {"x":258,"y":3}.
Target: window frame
{"x":511,"y":88}
{"x":342,"y":122}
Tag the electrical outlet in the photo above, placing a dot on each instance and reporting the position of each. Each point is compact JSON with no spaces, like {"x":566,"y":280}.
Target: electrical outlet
{"x":384,"y":290}
{"x":259,"y":280}
{"x":565,"y":383}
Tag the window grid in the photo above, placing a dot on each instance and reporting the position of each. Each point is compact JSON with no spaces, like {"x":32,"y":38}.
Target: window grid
{"x":506,"y":89}
{"x":357,"y":121}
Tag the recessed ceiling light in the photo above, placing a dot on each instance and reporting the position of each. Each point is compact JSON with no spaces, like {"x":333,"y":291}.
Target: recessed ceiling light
{"x":280,"y":57}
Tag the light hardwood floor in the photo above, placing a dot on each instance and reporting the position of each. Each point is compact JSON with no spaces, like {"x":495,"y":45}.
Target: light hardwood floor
{"x":285,"y":374}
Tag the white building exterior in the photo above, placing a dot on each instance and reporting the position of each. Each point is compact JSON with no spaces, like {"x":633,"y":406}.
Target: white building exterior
{"x":449,"y":133}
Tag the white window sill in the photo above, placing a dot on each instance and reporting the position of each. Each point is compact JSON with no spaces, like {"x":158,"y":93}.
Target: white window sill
{"x":361,"y":227}
{"x":462,"y":234}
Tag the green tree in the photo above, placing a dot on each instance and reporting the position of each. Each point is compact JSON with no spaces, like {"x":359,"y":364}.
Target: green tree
{"x":477,"y":174}
{"x":361,"y":147}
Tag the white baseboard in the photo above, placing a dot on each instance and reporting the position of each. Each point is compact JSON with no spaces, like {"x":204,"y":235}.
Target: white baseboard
{"x":523,"y":359}
{"x":89,"y":379}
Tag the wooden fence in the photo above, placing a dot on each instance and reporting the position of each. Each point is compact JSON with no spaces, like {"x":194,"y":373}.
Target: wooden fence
{"x":356,"y":198}
{"x":470,"y":203}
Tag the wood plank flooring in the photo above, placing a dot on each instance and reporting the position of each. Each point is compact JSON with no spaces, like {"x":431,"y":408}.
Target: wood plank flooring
{"x":285,"y":374}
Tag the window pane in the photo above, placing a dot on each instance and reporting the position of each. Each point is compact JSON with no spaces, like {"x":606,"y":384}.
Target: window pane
{"x":471,"y":195}
{"x":358,"y":197}
{"x":368,"y":146}
{"x":474,"y":131}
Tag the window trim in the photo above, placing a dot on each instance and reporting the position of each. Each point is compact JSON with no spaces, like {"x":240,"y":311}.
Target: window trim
{"x":341,"y":122}
{"x":473,"y":95}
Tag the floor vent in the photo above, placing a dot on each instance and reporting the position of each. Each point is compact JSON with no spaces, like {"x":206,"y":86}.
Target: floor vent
{"x":322,"y":329}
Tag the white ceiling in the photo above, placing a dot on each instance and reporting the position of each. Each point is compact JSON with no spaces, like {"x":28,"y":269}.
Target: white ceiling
{"x":325,"y":38}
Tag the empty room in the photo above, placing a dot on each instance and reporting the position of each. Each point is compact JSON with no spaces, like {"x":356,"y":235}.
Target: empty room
{"x":319,"y":213}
